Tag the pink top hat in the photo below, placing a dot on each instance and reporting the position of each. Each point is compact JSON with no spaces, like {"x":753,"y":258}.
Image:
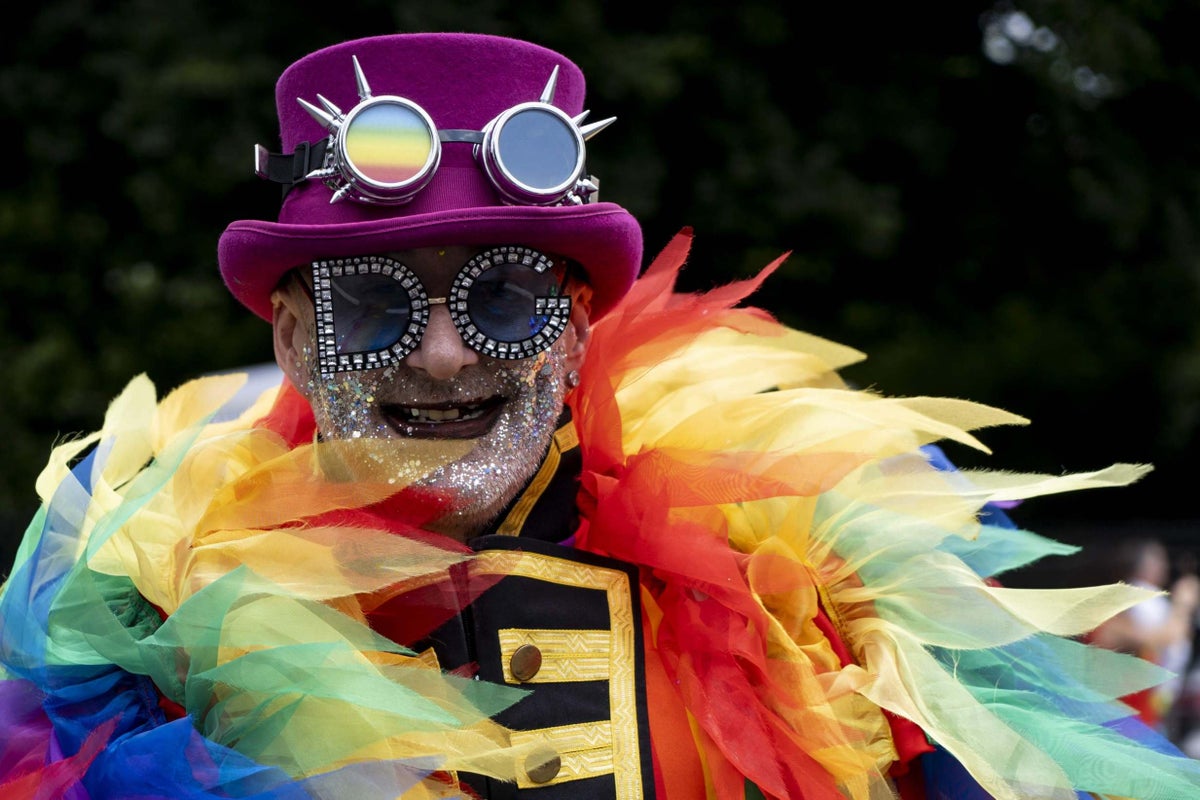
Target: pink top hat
{"x":463,"y":81}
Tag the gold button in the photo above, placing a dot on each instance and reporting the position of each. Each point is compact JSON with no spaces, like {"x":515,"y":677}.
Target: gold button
{"x":542,"y":765}
{"x":525,"y":662}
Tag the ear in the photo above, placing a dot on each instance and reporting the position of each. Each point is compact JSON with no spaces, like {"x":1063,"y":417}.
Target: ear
{"x":579,"y":333}
{"x":291,"y":333}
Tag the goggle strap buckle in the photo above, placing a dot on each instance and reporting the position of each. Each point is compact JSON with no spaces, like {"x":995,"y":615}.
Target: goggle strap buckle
{"x":289,"y":169}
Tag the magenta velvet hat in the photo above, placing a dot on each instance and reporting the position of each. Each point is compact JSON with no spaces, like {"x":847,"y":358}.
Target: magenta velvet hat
{"x":463,"y":81}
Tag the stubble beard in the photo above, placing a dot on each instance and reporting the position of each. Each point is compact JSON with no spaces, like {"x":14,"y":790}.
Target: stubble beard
{"x":496,"y":466}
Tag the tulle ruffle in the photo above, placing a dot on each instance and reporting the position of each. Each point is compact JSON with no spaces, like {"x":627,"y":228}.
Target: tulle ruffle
{"x":216,"y":566}
{"x":724,"y":455}
{"x":811,"y":573}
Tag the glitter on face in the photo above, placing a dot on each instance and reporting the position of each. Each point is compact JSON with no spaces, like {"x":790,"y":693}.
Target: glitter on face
{"x":482,"y":474}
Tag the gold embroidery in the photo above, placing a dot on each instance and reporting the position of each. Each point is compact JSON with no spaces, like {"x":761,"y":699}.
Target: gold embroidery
{"x":586,"y":751}
{"x":565,"y":438}
{"x":575,"y":655}
{"x":625,"y":762}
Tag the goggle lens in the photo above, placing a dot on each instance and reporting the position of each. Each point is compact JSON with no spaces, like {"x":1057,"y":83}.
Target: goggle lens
{"x":389,"y":144}
{"x":539,"y":151}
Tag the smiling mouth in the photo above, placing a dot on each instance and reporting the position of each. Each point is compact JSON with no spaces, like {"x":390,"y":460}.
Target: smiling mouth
{"x":444,"y":420}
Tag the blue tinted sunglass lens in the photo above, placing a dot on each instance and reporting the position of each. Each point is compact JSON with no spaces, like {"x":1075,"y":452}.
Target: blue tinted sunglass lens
{"x":370,"y":312}
{"x":502,"y":301}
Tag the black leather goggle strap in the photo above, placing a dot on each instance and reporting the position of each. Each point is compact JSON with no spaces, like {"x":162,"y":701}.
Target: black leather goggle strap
{"x":290,"y":169}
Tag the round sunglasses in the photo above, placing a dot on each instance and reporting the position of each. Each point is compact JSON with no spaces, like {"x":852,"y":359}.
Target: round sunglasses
{"x":506,"y":302}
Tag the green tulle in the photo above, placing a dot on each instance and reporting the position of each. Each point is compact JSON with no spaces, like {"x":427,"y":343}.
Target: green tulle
{"x":282,"y":676}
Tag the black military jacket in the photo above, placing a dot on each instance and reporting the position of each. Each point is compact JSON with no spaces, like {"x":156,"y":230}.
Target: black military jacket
{"x":566,"y":626}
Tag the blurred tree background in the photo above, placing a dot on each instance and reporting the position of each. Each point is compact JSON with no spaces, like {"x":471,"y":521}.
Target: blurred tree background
{"x":994,"y":201}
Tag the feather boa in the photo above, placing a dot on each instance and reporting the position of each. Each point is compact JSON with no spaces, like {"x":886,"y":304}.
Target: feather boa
{"x":724,"y":456}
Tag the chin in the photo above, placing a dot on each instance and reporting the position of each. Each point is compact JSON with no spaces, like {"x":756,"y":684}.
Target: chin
{"x":489,"y":478}
{"x":464,"y":524}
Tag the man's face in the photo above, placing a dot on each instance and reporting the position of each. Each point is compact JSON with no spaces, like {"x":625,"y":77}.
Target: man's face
{"x":441,"y":401}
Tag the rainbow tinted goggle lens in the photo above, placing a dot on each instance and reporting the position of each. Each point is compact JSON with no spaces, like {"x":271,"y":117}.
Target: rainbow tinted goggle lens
{"x":371,"y":311}
{"x":387,"y":149}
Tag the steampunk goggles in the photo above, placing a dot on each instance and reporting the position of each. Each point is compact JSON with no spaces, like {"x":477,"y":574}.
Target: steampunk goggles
{"x":387,"y":149}
{"x":371,"y":311}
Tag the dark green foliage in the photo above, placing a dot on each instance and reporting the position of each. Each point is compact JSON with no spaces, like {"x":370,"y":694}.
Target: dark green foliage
{"x":1018,"y":233}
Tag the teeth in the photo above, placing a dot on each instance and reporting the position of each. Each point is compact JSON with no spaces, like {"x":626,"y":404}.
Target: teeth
{"x":443,"y":414}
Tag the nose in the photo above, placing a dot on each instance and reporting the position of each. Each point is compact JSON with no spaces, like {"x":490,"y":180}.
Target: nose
{"x":441,"y":352}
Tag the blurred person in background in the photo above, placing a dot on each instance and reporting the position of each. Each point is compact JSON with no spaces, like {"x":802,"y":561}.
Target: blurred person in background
{"x":1159,"y":629}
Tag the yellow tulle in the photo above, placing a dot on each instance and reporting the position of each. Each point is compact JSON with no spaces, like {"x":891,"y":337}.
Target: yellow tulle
{"x":265,"y":641}
{"x":726,"y":458}
{"x":873,"y":531}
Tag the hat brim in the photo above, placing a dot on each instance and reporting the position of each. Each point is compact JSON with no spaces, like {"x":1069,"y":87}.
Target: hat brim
{"x":602,"y":237}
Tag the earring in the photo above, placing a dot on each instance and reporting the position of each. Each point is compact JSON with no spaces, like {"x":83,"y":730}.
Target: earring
{"x":573,"y":378}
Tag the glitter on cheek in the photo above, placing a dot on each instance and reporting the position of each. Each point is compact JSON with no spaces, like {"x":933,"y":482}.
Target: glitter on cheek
{"x":345,"y":404}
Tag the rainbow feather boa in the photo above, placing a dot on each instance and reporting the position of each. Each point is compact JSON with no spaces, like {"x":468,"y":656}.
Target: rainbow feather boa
{"x":722,"y":455}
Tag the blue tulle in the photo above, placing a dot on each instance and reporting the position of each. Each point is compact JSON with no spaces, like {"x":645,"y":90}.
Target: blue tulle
{"x":55,"y":698}
{"x":146,"y":756}
{"x":946,"y":779}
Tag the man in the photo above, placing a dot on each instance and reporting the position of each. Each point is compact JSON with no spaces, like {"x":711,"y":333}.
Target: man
{"x":518,"y":526}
